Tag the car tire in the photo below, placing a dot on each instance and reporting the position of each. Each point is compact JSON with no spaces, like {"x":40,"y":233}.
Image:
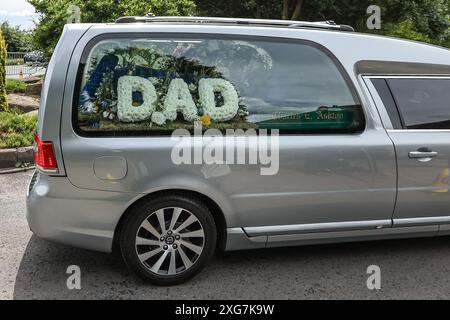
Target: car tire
{"x":169,"y":239}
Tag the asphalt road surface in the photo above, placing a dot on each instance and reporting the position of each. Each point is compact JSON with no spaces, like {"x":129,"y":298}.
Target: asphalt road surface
{"x":31,"y":268}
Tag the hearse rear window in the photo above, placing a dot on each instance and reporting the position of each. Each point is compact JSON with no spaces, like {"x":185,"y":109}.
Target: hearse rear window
{"x":154,"y":86}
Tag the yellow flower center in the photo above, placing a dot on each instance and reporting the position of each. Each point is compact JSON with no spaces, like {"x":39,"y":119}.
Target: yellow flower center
{"x":206,"y":120}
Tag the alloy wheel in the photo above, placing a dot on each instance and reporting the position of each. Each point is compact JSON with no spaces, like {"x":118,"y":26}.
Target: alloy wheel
{"x":169,"y":241}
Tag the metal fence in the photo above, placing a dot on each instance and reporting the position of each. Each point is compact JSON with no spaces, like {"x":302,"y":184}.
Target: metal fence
{"x":24,"y":64}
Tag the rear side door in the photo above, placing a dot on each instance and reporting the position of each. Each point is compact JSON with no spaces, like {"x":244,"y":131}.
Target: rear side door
{"x":419,"y":111}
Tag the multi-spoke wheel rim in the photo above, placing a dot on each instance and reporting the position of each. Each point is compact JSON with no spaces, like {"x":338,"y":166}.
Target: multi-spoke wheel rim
{"x":169,"y":241}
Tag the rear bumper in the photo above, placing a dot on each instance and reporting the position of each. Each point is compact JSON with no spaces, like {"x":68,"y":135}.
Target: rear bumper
{"x":60,"y":212}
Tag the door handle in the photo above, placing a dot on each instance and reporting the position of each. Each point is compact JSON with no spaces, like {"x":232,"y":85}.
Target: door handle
{"x":423,"y":156}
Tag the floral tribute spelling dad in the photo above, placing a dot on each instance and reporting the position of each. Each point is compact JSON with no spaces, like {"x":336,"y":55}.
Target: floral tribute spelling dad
{"x":157,"y":87}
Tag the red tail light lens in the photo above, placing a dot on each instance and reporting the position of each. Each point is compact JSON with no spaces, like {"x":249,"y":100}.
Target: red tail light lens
{"x":44,"y":155}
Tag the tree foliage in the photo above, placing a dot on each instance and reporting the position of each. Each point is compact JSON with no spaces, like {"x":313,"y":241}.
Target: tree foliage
{"x":424,"y":20}
{"x":17,"y":40}
{"x":3,"y":95}
{"x":54,"y":14}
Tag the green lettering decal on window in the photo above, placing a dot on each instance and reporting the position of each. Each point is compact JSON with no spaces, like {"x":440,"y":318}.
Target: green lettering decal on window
{"x":320,"y":119}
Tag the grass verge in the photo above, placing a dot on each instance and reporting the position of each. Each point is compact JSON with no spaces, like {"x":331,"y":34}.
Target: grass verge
{"x":15,"y":86}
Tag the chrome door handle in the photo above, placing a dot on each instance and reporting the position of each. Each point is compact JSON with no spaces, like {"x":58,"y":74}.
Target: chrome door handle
{"x":423,"y":155}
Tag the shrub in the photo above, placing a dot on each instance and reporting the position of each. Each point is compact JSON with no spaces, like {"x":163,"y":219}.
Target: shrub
{"x":15,"y":86}
{"x":3,"y":95}
{"x":15,"y":62}
{"x":16,"y":130}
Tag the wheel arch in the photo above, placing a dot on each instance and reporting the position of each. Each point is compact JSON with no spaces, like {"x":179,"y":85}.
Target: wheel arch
{"x":217,"y":213}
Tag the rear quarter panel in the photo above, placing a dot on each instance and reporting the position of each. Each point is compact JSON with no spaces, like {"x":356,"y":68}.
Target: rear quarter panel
{"x":52,"y":94}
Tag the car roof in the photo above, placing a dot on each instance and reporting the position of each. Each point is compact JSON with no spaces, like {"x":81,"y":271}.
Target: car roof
{"x":349,"y":47}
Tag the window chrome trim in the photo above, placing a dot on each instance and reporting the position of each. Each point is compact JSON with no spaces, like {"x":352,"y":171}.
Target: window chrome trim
{"x":420,"y":130}
{"x":377,"y":67}
{"x":408,"y":77}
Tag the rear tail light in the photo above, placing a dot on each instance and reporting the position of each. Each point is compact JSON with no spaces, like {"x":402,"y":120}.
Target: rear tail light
{"x":44,"y":155}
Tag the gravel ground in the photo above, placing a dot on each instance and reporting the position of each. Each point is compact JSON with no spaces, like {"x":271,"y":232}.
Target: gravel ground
{"x":31,"y":268}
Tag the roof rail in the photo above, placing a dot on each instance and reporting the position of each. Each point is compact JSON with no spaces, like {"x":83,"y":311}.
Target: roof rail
{"x":331,"y":25}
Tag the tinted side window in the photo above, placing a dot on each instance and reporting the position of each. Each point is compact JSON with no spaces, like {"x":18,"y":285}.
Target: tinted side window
{"x":422,"y":103}
{"x":153,"y":86}
{"x":389,"y":103}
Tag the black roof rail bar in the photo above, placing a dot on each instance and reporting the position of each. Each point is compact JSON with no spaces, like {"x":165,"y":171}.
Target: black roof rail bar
{"x":237,"y":21}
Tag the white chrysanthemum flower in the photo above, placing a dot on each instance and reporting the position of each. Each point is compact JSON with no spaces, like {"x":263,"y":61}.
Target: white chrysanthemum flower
{"x":88,"y":106}
{"x":243,"y":113}
{"x":155,"y":81}
{"x":207,"y":88}
{"x":126,"y":112}
{"x":179,"y":99}
{"x":114,"y":106}
{"x":192,"y":87}
{"x":108,"y":115}
{"x":160,"y":63}
{"x":158,"y":118}
{"x":139,"y":61}
{"x":262,"y":54}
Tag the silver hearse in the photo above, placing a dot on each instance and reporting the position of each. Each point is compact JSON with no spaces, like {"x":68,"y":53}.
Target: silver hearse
{"x":330,"y":136}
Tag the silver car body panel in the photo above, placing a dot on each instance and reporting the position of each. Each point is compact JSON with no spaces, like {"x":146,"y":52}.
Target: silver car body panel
{"x":329,"y":188}
{"x":61,"y":212}
{"x":420,"y":197}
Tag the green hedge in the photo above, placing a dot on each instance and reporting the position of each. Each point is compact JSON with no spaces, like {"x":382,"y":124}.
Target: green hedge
{"x":3,"y":96}
{"x":16,"y":130}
